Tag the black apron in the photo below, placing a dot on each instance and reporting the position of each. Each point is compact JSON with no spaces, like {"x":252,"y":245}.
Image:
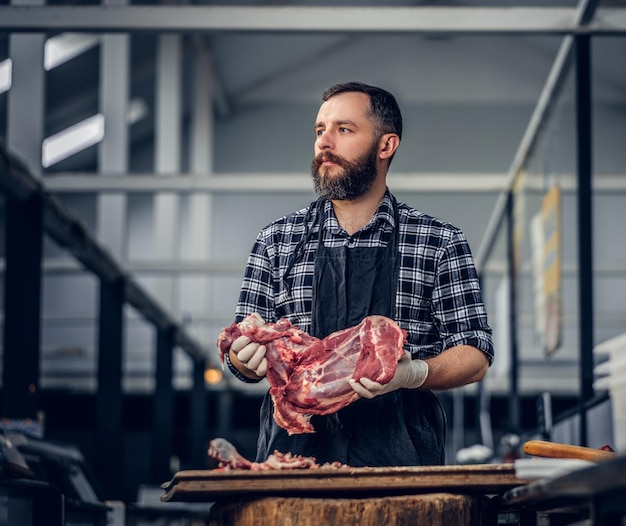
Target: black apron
{"x":403,"y":428}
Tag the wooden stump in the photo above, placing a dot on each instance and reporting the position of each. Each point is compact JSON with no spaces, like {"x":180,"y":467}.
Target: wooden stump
{"x":436,"y":509}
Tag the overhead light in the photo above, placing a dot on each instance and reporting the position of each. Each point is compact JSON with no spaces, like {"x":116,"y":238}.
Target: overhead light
{"x":61,"y":48}
{"x":86,"y":133}
{"x":6,"y":67}
{"x":57,"y":50}
{"x":72,"y":140}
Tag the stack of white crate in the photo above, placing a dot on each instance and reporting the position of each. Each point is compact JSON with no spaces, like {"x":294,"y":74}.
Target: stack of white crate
{"x":610,"y":374}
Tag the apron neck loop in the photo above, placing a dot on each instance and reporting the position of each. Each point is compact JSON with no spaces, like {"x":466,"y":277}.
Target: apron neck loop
{"x":310,"y":217}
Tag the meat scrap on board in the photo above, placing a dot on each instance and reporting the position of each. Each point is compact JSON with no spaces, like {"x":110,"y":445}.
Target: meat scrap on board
{"x":309,"y":376}
{"x":230,"y":459}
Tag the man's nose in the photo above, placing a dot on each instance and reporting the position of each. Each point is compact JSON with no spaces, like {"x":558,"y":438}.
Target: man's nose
{"x":323,"y":141}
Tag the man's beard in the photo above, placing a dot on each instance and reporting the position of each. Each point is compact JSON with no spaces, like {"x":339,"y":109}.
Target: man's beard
{"x":356,"y":179}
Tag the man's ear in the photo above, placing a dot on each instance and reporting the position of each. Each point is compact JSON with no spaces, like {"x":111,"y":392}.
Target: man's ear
{"x":388,"y":145}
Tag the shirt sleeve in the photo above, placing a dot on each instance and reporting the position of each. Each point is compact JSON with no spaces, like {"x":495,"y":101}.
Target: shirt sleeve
{"x":256,"y":293}
{"x":457,"y":303}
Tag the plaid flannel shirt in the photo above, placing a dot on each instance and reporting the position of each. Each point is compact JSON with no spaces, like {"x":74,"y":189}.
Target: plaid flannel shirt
{"x":438,"y":298}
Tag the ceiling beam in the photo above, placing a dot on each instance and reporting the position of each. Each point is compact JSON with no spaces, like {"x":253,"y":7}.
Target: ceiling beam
{"x":301,"y":182}
{"x":261,"y":183}
{"x":426,"y":20}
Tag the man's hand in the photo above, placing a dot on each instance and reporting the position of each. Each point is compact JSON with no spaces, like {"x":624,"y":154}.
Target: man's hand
{"x":410,"y":374}
{"x":251,"y":355}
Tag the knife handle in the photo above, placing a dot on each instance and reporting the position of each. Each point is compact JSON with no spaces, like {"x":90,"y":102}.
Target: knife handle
{"x":541,"y":448}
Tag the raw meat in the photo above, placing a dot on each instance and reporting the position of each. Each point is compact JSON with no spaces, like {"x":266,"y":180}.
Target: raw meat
{"x":229,"y":458}
{"x":309,"y":376}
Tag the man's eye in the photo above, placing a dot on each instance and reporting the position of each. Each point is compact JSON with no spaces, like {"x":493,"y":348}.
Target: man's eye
{"x":344,"y":130}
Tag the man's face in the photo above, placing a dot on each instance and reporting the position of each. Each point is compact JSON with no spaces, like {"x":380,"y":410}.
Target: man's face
{"x":346,"y":151}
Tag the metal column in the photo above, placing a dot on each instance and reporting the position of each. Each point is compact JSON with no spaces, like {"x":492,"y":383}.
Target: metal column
{"x":198,"y":424}
{"x":24,"y":230}
{"x":514,"y":401}
{"x":585,"y":225}
{"x":22,"y":306}
{"x":113,"y":150}
{"x":109,"y":439}
{"x":163,"y":406}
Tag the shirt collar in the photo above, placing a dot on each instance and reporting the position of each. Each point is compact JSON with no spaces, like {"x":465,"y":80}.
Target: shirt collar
{"x":384,"y":216}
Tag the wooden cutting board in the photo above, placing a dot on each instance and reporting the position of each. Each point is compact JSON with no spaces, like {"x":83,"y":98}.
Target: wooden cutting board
{"x":213,"y":485}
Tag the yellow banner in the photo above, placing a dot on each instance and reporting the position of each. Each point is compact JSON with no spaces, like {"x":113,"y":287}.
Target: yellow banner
{"x":551,"y":219}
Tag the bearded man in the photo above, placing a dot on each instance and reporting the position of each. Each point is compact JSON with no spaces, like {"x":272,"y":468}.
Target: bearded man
{"x":356,"y":252}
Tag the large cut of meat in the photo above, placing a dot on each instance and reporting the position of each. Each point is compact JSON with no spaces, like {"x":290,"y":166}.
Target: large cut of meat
{"x":229,"y":458}
{"x":309,"y":376}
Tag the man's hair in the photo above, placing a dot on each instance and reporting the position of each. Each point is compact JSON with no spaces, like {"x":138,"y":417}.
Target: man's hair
{"x":384,"y":108}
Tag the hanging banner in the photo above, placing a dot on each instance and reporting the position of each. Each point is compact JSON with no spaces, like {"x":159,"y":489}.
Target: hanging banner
{"x":551,"y":219}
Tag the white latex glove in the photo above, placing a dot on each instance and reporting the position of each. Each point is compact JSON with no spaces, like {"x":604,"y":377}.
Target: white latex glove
{"x":250,"y":354}
{"x":410,"y":374}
